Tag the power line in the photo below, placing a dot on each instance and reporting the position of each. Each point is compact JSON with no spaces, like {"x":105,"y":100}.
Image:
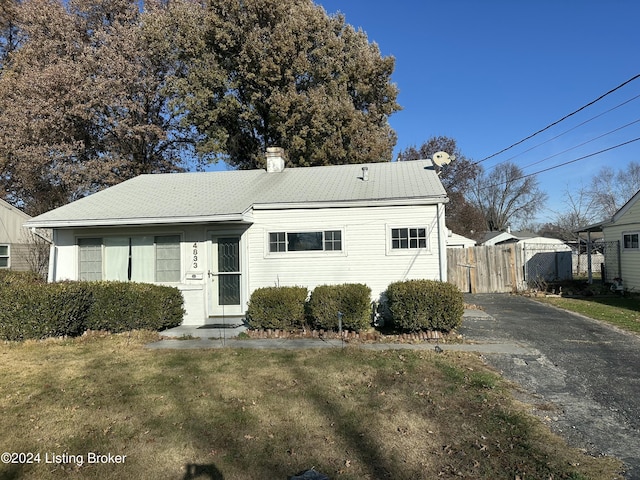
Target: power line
{"x":570,"y":130}
{"x":582,"y":144}
{"x":635,"y":77}
{"x":562,"y":164}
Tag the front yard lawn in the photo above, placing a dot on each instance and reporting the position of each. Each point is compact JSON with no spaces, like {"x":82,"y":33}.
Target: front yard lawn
{"x":249,"y":414}
{"x":623,"y":312}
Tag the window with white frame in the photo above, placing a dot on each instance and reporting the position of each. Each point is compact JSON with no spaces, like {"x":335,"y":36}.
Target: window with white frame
{"x":137,"y":258}
{"x":408,"y":238}
{"x":4,"y":256}
{"x":328,"y":240}
{"x":631,"y":240}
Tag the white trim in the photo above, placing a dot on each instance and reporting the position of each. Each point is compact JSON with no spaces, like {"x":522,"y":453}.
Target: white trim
{"x":7,"y":256}
{"x":211,"y":282}
{"x":135,"y":222}
{"x":154,"y":234}
{"x":390,"y":251}
{"x":631,"y":249}
{"x":352,"y":203}
{"x":301,"y":254}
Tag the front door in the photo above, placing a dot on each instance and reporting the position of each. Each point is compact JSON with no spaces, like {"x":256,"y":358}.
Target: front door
{"x":225,"y":276}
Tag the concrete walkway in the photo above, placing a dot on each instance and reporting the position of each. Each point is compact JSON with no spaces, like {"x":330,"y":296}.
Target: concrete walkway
{"x":187,"y":337}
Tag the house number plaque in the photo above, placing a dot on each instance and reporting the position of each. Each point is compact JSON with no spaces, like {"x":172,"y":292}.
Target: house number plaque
{"x":194,"y":256}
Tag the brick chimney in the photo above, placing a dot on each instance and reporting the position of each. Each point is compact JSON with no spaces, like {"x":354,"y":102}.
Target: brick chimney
{"x":275,"y":159}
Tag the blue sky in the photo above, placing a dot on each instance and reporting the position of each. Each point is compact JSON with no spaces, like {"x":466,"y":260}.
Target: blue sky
{"x":489,"y":73}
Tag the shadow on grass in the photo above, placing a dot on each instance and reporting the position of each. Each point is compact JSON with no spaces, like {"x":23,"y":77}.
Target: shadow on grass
{"x":202,"y":472}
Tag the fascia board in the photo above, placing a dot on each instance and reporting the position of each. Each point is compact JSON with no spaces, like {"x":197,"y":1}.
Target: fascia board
{"x":114,"y":222}
{"x":352,"y":203}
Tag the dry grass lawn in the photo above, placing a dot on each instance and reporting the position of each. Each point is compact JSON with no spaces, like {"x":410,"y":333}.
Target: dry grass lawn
{"x":250,"y":414}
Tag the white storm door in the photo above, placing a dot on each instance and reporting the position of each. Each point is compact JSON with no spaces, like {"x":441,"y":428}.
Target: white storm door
{"x":225,"y":276}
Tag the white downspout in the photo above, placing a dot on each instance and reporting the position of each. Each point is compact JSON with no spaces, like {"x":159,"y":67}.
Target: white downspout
{"x":442,"y":242}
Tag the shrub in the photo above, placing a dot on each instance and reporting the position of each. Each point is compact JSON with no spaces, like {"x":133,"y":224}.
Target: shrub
{"x":425,"y":305}
{"x":11,"y":277}
{"x":121,"y":306}
{"x":277,"y":307}
{"x":353,"y":300}
{"x":36,"y":311}
{"x":39,"y":310}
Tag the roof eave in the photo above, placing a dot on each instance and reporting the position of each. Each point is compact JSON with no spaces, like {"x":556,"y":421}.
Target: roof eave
{"x":123,"y":222}
{"x":353,"y":203}
{"x":596,"y":227}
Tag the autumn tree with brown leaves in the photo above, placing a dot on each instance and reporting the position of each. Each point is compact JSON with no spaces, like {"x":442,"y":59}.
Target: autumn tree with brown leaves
{"x":462,"y":217}
{"x":83,"y":103}
{"x":93,"y":92}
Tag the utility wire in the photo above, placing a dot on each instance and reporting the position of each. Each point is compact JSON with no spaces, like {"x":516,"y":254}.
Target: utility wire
{"x":570,"y":130}
{"x":582,"y":144}
{"x":635,"y":77}
{"x":561,"y":164}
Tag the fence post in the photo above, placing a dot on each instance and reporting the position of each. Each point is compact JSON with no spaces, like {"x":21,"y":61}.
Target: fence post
{"x":589,"y":266}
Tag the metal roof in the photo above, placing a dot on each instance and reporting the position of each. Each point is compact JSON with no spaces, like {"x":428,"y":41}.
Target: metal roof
{"x":231,"y":195}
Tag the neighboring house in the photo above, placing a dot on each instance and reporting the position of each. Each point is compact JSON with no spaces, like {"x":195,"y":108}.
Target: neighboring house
{"x":16,"y":241}
{"x":498,"y":238}
{"x":621,"y":244}
{"x":218,"y":236}
{"x":544,"y":259}
{"x":458,"y":241}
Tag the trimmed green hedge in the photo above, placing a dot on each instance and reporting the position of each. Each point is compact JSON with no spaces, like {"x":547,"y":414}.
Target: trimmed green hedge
{"x":277,"y":307}
{"x":39,"y":311}
{"x":36,"y":310}
{"x":11,"y":277}
{"x":353,"y":300}
{"x":425,"y":305}
{"x":121,"y":306}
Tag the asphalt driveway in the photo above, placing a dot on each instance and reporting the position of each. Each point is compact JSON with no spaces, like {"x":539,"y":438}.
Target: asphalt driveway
{"x":585,"y":380}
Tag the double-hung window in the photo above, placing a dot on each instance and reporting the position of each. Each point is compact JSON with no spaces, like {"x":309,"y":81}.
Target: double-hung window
{"x":631,"y":241}
{"x":142,"y":258}
{"x":328,"y":240}
{"x":408,"y":238}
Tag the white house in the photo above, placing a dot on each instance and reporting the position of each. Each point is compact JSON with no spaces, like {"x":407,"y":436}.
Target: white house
{"x":458,"y":241}
{"x":621,"y":241}
{"x":218,"y":236}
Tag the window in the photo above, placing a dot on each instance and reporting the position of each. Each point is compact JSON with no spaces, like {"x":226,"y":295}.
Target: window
{"x":408,"y":238}
{"x":4,"y":256}
{"x":330,"y":240}
{"x":333,"y":240}
{"x":278,"y":242}
{"x":168,"y":258}
{"x":630,"y":240}
{"x":136,"y":259}
{"x":90,"y":258}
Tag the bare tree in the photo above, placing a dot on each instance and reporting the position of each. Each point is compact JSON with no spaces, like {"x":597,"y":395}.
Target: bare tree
{"x":506,"y":197}
{"x":611,"y":189}
{"x":462,"y":217}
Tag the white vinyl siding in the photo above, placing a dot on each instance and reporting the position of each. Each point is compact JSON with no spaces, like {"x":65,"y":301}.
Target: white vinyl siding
{"x":365,"y":239}
{"x":627,"y":225}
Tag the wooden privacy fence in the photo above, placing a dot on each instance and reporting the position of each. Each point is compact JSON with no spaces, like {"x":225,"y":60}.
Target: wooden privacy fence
{"x":509,"y":267}
{"x":491,"y":269}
